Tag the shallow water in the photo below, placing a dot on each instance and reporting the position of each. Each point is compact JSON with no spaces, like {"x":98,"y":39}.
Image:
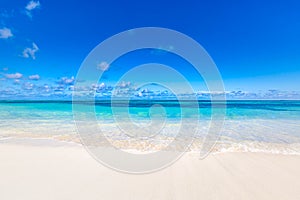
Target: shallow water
{"x":268,"y":126}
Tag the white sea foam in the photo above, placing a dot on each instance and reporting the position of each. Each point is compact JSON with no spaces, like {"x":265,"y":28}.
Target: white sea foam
{"x":262,"y":147}
{"x":253,"y":135}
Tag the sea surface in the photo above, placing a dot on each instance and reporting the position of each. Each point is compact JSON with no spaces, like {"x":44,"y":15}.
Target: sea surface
{"x":248,"y":126}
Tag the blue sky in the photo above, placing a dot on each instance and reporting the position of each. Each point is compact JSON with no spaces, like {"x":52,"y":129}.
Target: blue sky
{"x":255,"y":44}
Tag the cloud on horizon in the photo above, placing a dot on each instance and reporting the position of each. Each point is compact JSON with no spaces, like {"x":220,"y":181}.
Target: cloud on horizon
{"x":14,"y":76}
{"x":34,"y":77}
{"x":66,"y":81}
{"x":64,"y":87}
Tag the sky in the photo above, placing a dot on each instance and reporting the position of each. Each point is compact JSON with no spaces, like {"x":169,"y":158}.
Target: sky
{"x":255,"y":45}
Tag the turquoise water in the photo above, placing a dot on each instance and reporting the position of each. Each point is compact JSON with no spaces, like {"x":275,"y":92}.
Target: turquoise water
{"x":249,"y":125}
{"x":234,"y":109}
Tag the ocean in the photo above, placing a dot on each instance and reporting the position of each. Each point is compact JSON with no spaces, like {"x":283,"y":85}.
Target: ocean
{"x":249,"y":126}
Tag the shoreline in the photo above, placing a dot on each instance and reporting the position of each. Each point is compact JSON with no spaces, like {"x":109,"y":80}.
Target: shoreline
{"x":220,"y":147}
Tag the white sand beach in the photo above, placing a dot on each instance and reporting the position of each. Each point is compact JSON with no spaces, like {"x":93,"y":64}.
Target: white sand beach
{"x":32,"y":172}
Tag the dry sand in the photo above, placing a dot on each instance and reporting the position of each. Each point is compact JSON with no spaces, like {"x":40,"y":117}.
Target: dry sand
{"x":30,"y":172}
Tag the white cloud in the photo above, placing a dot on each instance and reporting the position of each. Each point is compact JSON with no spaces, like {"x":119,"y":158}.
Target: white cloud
{"x":66,"y":81}
{"x":98,"y":86}
{"x":101,"y":88}
{"x":69,"y":81}
{"x":124,"y":84}
{"x":5,"y":33}
{"x":32,"y":5}
{"x":17,"y":81}
{"x":103,"y":66}
{"x":14,"y":76}
{"x":34,"y":77}
{"x":30,"y":52}
{"x":28,"y":86}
